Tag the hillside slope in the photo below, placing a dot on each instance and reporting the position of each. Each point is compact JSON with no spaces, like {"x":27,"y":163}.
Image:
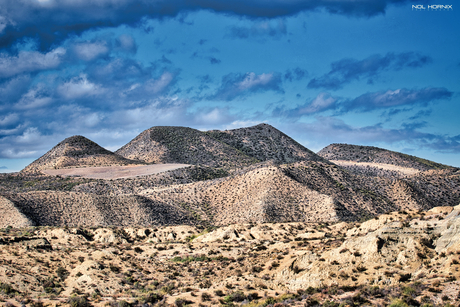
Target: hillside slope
{"x":264,"y":142}
{"x":58,"y":208}
{"x":183,"y":145}
{"x":372,"y":154}
{"x":76,"y":151}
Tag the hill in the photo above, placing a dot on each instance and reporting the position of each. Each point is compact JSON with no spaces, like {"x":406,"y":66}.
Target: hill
{"x":370,"y":154}
{"x":183,"y":145}
{"x":61,"y":208}
{"x":225,"y":183}
{"x":264,"y":142}
{"x":76,"y":151}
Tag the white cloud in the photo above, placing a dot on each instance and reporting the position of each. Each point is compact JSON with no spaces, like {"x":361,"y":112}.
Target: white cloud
{"x":34,"y":98}
{"x":322,"y":102}
{"x":243,"y":123}
{"x":79,"y":87}
{"x":30,"y":61}
{"x":252,"y":80}
{"x":157,"y":86}
{"x":8,"y":119}
{"x":90,"y":51}
{"x":126,"y":43}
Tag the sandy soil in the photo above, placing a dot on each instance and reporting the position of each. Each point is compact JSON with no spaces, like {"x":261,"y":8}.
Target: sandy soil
{"x":114,"y":172}
{"x":390,"y":167}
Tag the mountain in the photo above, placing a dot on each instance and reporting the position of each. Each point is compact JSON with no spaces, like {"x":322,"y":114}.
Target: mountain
{"x":183,"y":145}
{"x":76,"y":151}
{"x":264,"y":142}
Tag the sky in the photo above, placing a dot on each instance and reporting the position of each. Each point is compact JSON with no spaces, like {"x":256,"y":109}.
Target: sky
{"x":382,"y":73}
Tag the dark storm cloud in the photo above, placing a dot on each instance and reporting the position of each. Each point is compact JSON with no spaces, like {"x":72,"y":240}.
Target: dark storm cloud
{"x":239,"y":85}
{"x":54,"y":20}
{"x":348,"y":70}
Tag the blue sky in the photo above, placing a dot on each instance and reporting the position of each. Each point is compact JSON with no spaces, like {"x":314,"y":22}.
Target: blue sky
{"x":360,"y":72}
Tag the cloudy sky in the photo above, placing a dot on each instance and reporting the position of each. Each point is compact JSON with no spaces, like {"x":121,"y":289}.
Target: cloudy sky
{"x":377,"y":73}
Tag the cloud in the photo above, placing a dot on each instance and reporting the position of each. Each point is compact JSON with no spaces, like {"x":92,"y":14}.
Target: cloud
{"x":236,"y":85}
{"x":13,"y":88}
{"x":326,"y":130}
{"x":54,"y":20}
{"x":89,"y":51}
{"x":348,"y":70}
{"x":320,"y":103}
{"x":213,"y":60}
{"x":3,"y":167}
{"x":9,"y":119}
{"x":79,"y":87}
{"x":399,"y":97}
{"x":35,"y":98}
{"x":259,"y":29}
{"x":29,"y":62}
{"x":295,"y":74}
{"x":126,"y":43}
{"x":368,"y":102}
{"x":159,"y":85}
{"x":117,"y":69}
{"x":422,"y":113}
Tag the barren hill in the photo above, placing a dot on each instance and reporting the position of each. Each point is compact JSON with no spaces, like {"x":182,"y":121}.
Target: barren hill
{"x":370,"y":154}
{"x":76,"y":151}
{"x":183,"y":145}
{"x":264,"y":143}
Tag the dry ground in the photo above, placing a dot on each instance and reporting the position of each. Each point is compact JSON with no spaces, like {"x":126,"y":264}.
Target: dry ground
{"x":114,"y":172}
{"x":389,"y":167}
{"x":272,"y":264}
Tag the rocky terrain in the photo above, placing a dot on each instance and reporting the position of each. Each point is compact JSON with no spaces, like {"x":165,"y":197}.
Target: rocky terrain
{"x":403,"y":258}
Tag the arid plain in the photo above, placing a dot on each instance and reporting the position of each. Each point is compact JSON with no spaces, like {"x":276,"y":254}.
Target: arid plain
{"x":237,"y":217}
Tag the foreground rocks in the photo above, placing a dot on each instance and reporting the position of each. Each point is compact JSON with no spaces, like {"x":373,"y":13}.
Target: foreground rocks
{"x":412,"y":256}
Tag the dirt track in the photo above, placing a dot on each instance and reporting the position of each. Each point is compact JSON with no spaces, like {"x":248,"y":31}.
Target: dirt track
{"x":390,"y":167}
{"x":114,"y":172}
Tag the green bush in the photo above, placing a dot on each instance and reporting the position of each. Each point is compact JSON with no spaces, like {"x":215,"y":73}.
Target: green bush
{"x":6,"y":288}
{"x":78,"y":301}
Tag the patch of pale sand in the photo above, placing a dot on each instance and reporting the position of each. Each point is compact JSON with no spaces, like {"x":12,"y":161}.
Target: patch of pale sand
{"x":114,"y":172}
{"x":389,"y":167}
